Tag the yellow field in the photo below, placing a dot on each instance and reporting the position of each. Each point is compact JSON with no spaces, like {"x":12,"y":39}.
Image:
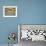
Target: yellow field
{"x":10,"y":11}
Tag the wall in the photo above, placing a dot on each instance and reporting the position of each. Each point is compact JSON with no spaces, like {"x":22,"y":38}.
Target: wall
{"x":29,"y":12}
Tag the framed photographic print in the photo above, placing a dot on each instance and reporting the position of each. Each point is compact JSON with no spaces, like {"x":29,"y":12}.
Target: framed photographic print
{"x":33,"y":32}
{"x":9,"y":11}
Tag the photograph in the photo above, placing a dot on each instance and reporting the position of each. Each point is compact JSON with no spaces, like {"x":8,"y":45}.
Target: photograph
{"x":28,"y":33}
{"x":9,"y":11}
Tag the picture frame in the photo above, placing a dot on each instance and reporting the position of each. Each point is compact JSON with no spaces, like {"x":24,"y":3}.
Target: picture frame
{"x":39,"y":28}
{"x":9,"y":11}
